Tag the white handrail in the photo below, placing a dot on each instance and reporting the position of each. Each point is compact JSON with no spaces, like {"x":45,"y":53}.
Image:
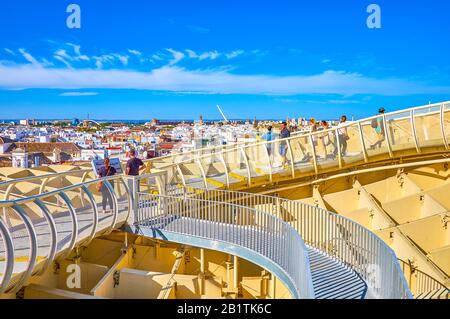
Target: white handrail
{"x":269,"y":237}
{"x":341,"y":238}
{"x":14,"y":278}
{"x":360,"y":128}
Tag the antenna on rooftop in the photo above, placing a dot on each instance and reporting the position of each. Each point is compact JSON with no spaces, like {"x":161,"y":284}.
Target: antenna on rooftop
{"x":223,"y":115}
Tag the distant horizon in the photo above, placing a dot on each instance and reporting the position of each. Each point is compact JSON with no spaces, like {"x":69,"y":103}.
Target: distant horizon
{"x":130,"y":120}
{"x":178,"y":59}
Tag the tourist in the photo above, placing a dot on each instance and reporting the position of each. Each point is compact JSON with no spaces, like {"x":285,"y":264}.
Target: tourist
{"x":378,"y":125}
{"x":326,"y":138}
{"x":342,"y":136}
{"x":268,"y":136}
{"x":134,"y":164}
{"x":284,"y":133}
{"x":312,"y":129}
{"x":104,"y":171}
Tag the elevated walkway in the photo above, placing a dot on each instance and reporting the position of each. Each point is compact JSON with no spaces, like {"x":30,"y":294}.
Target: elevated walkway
{"x":416,"y":132}
{"x":70,"y":218}
{"x":303,"y":245}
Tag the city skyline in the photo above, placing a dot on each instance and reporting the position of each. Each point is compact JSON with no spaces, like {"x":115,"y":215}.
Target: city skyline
{"x":275,"y":60}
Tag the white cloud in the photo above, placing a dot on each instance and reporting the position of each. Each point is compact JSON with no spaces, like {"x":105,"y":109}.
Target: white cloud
{"x":212,"y":55}
{"x":135,"y":52}
{"x":61,"y":59}
{"x":192,"y":54}
{"x":101,"y":60}
{"x":29,"y":57}
{"x":122,"y":58}
{"x":176,"y":79}
{"x":83,"y":58}
{"x":234,"y":54}
{"x":157,"y":56}
{"x":76,"y":48}
{"x":79,"y":94}
{"x":177,"y":56}
{"x":9,"y":51}
{"x":63,"y":54}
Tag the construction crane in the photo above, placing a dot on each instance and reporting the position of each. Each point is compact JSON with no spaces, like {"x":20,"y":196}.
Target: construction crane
{"x":223,"y":115}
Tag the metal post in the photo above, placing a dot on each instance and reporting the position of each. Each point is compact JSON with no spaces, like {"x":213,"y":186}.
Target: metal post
{"x":202,"y":171}
{"x":269,"y":162}
{"x":291,"y":156}
{"x":442,"y":123}
{"x":363,"y":143}
{"x":235,"y":272}
{"x":53,"y":232}
{"x":338,"y":147}
{"x":95,"y":212}
{"x":388,"y":135}
{"x":202,"y":271}
{"x":9,"y":262}
{"x":180,"y":172}
{"x":313,"y":149}
{"x":414,"y":132}
{"x":249,"y":175}
{"x":33,"y":248}
{"x":225,"y":167}
{"x":73,"y":217}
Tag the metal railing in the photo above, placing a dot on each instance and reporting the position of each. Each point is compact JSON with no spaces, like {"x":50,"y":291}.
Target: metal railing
{"x":269,"y":237}
{"x":411,"y":131}
{"x":422,"y":285}
{"x":419,"y":130}
{"x":50,"y":225}
{"x":341,"y":238}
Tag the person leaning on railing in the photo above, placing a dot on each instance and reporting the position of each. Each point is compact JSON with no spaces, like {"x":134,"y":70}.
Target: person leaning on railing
{"x":134,"y":165}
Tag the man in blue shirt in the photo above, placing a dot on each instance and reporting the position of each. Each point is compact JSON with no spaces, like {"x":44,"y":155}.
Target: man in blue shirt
{"x":268,"y":137}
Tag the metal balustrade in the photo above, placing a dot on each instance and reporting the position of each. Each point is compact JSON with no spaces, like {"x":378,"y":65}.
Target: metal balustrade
{"x":422,"y":285}
{"x":47,"y":226}
{"x":269,"y":230}
{"x":416,"y":131}
{"x":256,"y":231}
{"x":341,"y":238}
{"x":410,"y":132}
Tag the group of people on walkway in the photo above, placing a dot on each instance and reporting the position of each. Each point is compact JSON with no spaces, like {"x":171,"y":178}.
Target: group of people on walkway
{"x":134,"y":165}
{"x":338,"y":141}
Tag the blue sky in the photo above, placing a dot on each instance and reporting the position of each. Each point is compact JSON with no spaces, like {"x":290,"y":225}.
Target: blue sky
{"x":178,"y":59}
